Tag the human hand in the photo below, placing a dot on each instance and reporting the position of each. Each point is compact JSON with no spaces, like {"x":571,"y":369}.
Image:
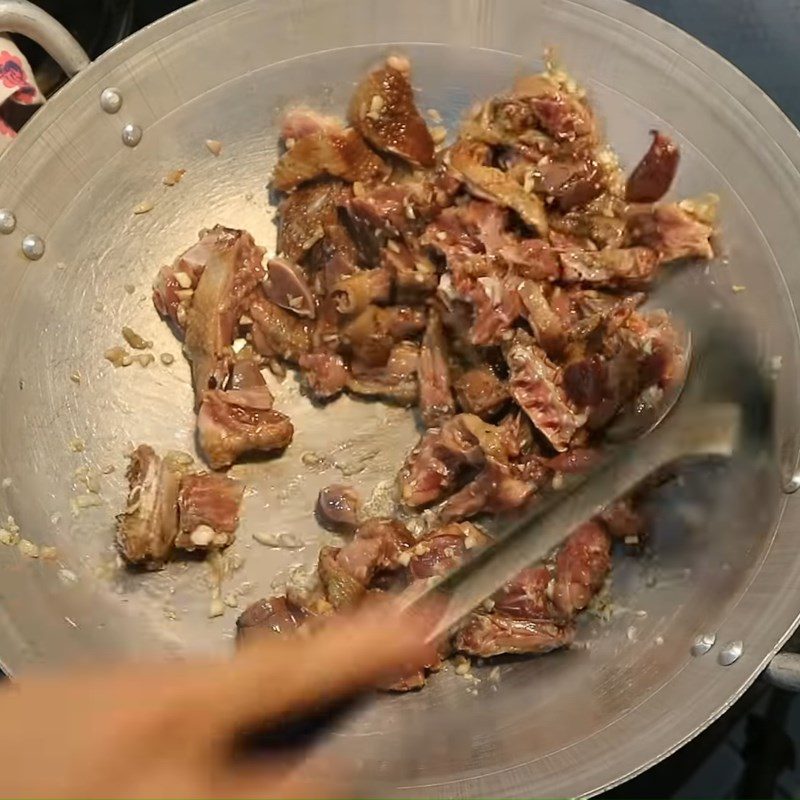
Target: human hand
{"x":169,"y":730}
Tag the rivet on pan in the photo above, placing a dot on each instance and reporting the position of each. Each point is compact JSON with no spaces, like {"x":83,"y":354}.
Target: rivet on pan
{"x":793,"y":484}
{"x":8,"y":222}
{"x":730,"y":653}
{"x":131,"y":134}
{"x":703,"y":643}
{"x":110,"y":100}
{"x":33,"y":247}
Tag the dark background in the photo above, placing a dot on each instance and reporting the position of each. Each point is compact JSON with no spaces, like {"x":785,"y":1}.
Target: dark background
{"x":751,"y":751}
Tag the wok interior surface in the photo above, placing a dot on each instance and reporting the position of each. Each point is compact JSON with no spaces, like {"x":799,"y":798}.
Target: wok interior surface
{"x":569,"y":723}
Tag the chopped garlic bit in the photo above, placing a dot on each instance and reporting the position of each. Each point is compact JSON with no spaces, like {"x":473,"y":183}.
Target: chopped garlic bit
{"x":117,"y":356}
{"x":48,"y":553}
{"x":184,"y":280}
{"x":6,"y":483}
{"x":216,"y":608}
{"x":130,"y":288}
{"x":214,"y":146}
{"x":737,"y":289}
{"x":75,"y":377}
{"x":77,"y":445}
{"x":136,"y":341}
{"x":462,"y":665}
{"x":67,"y":575}
{"x":239,"y":344}
{"x":494,"y":675}
{"x":434,"y":115}
{"x":143,"y":208}
{"x":145,"y":359}
{"x":8,"y":538}
{"x":438,"y":134}
{"x":167,"y":359}
{"x":171,"y":178}
{"x":28,"y":548}
{"x":287,"y":541}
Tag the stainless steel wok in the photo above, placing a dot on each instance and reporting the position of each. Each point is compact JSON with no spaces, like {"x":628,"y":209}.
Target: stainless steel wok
{"x":568,"y":724}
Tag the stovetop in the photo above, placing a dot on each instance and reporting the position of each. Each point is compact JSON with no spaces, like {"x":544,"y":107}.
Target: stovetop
{"x":751,"y":751}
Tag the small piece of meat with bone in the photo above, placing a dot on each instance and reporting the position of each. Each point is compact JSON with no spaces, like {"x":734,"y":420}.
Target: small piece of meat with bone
{"x":304,"y":215}
{"x":546,"y":324}
{"x":231,"y":274}
{"x":340,"y":153}
{"x":324,"y":374}
{"x":629,"y":268}
{"x":443,"y":549}
{"x":531,"y":258}
{"x":468,"y":160}
{"x":302,"y":121}
{"x":533,"y":384}
{"x":208,"y":509}
{"x":286,"y":285}
{"x":278,"y":333}
{"x":146,"y":530}
{"x":383,"y":111}
{"x":278,"y":615}
{"x":582,"y":564}
{"x":413,"y":274}
{"x":653,"y":175}
{"x":376,"y":546}
{"x":487,"y":635}
{"x":561,"y":115}
{"x":353,"y":293}
{"x":479,"y":391}
{"x":338,"y":506}
{"x":672,"y":232}
{"x":231,"y":423}
{"x":396,"y":382}
{"x":173,"y":288}
{"x":372,"y":334}
{"x":435,"y":392}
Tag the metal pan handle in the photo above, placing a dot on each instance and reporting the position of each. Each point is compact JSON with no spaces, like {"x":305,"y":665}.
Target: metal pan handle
{"x":27,"y":19}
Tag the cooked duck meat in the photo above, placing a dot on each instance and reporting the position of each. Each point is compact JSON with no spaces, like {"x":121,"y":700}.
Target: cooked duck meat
{"x":208,"y":509}
{"x":324,"y":374}
{"x":497,"y":306}
{"x":302,"y":121}
{"x":533,"y":385}
{"x":278,"y":333}
{"x":561,"y":115}
{"x":377,"y":545}
{"x":653,"y":175}
{"x":581,"y":230}
{"x":173,"y":288}
{"x":547,"y":326}
{"x":443,"y":549}
{"x":396,"y":382}
{"x":672,"y":232}
{"x":230,"y":275}
{"x":469,"y":161}
{"x":278,"y":615}
{"x":487,"y":635}
{"x":479,"y":391}
{"x":395,"y":209}
{"x":570,"y":183}
{"x":435,"y":391}
{"x":631,"y":267}
{"x":353,"y":293}
{"x":372,"y":335}
{"x":147,"y":528}
{"x":339,"y":153}
{"x":413,"y":274}
{"x":531,"y":258}
{"x":585,"y":381}
{"x":304,"y":215}
{"x":338,"y":506}
{"x":581,"y":568}
{"x":623,"y":521}
{"x":383,"y":111}
{"x":526,"y":596}
{"x":286,"y":285}
{"x":333,"y":257}
{"x":232,"y":423}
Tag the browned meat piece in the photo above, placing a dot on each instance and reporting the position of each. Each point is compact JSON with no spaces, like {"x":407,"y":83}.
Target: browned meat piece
{"x":442,"y":550}
{"x":303,"y":121}
{"x":231,"y":274}
{"x":630,"y":267}
{"x":325,"y":374}
{"x":581,"y":568}
{"x":526,"y":595}
{"x":531,"y":258}
{"x":585,"y":380}
{"x":353,"y":293}
{"x":562,"y":116}
{"x":383,"y":111}
{"x":581,"y":230}
{"x":469,"y":161}
{"x":479,"y":391}
{"x":231,"y":423}
{"x":546,"y":324}
{"x":497,"y":306}
{"x":146,"y":530}
{"x":333,"y":257}
{"x":533,"y":384}
{"x":488,"y":635}
{"x":396,"y":382}
{"x":376,"y":546}
{"x":174,"y":285}
{"x":395,"y":209}
{"x":672,"y":232}
{"x":278,"y":615}
{"x":304,"y":215}
{"x":278,"y":333}
{"x":341,"y":153}
{"x":413,"y":274}
{"x":287,"y":286}
{"x":624,"y":522}
{"x":570,"y":183}
{"x":337,"y":507}
{"x":654,"y":174}
{"x":435,"y":392}
{"x":208,"y":508}
{"x":375,"y":331}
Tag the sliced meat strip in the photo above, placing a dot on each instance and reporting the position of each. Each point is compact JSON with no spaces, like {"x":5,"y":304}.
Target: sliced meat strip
{"x":396,"y":382}
{"x":533,"y":384}
{"x":479,"y":391}
{"x":630,"y":267}
{"x":147,"y":528}
{"x":413,"y":274}
{"x":325,"y":374}
{"x":435,"y":390}
{"x":546,"y":324}
{"x":531,"y":258}
{"x":487,"y":635}
{"x":372,"y":334}
{"x":672,"y":232}
{"x":653,"y":175}
{"x":339,"y":153}
{"x":278,"y":333}
{"x":276,"y":615}
{"x":208,"y":508}
{"x":353,"y":293}
{"x":383,"y":111}
{"x":443,"y":549}
{"x":333,"y":257}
